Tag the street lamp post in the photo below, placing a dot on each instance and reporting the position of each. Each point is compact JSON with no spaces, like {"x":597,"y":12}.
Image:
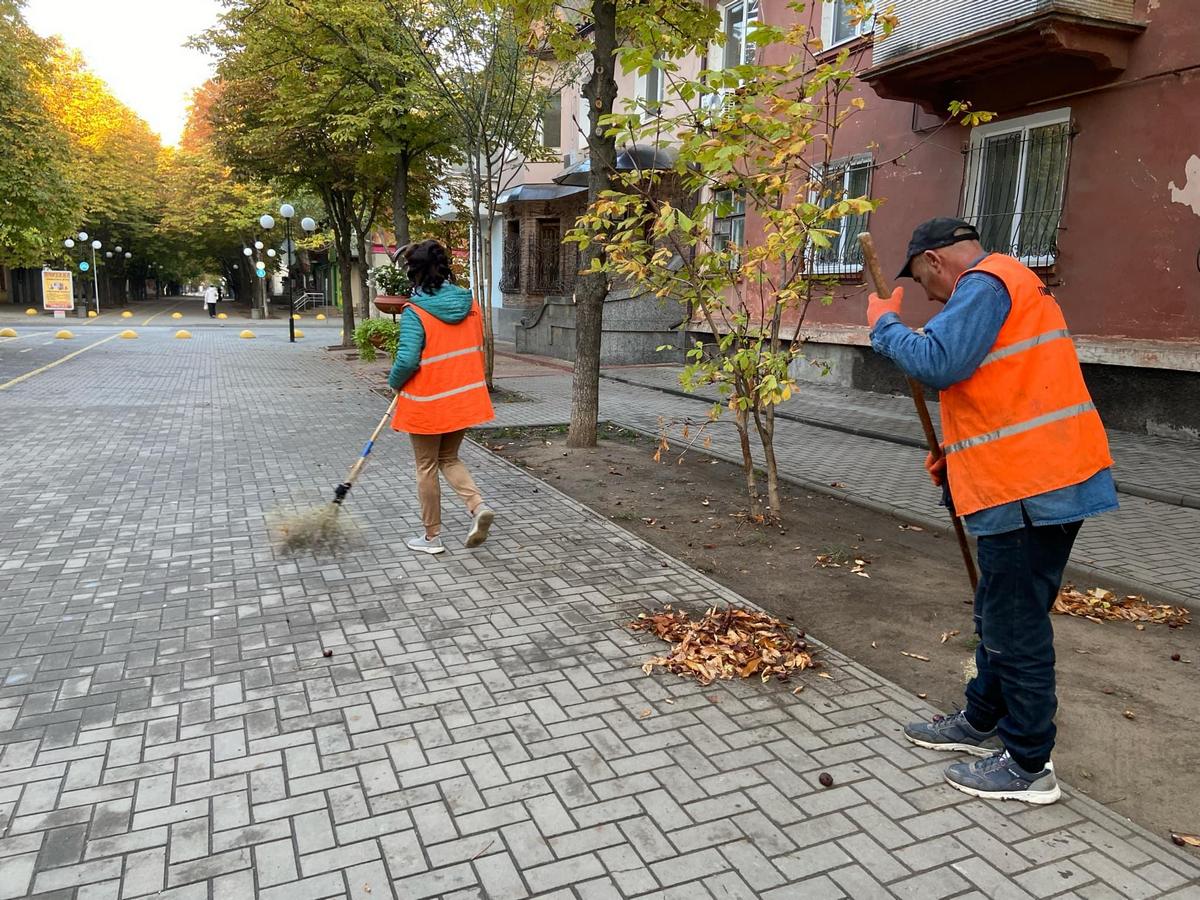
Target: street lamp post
{"x":287,"y":212}
{"x":96,"y":245}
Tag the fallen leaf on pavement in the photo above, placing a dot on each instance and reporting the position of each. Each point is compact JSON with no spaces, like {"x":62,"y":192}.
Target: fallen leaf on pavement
{"x":645,"y":713}
{"x":911,"y":528}
{"x":725,"y":643}
{"x":1100,"y":605}
{"x":946,"y":635}
{"x":1129,"y":714}
{"x":874,"y":646}
{"x":825,"y":675}
{"x":914,"y":656}
{"x":798,"y":689}
{"x":1185,"y":840}
{"x":836,"y":484}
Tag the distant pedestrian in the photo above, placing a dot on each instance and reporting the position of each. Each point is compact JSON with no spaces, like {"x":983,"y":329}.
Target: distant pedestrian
{"x":1025,"y":461}
{"x":438,"y":377}
{"x":210,"y":300}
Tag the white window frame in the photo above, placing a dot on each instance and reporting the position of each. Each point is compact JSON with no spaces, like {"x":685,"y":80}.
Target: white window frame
{"x":641,"y":90}
{"x":830,"y":13}
{"x":716,"y":52}
{"x":846,"y":164}
{"x":735,"y":216}
{"x":1022,"y":126}
{"x":583,"y":112}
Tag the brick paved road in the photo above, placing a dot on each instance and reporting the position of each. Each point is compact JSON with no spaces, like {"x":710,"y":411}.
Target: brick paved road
{"x":170,"y":726}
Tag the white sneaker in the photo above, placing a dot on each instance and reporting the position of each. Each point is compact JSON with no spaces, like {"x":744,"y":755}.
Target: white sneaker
{"x":484,"y":517}
{"x":426,"y":545}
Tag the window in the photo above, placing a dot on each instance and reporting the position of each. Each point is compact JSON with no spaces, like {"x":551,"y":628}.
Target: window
{"x":738,"y":17}
{"x":510,"y":273}
{"x":547,"y":254}
{"x":843,"y":179}
{"x":1014,"y":184}
{"x":729,"y":223}
{"x":552,"y":121}
{"x":649,"y":89}
{"x":836,"y":27}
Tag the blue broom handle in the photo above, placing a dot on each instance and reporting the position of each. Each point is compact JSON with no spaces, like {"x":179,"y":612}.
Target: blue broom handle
{"x":362,"y":459}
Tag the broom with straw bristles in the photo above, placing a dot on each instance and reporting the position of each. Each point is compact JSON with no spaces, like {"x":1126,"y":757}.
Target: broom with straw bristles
{"x":325,"y":527}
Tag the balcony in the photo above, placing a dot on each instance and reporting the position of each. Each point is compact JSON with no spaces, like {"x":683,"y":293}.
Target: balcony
{"x":1001,"y":54}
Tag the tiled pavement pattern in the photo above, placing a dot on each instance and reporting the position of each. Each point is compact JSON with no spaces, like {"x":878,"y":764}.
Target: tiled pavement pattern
{"x":482,"y":729}
{"x":1147,"y":545}
{"x":1160,"y":467}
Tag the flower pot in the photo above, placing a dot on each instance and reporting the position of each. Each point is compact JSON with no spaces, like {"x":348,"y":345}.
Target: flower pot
{"x":377,"y":340}
{"x":390,"y":306}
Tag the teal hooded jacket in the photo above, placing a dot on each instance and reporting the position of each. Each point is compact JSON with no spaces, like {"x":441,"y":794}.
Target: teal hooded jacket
{"x":449,"y":303}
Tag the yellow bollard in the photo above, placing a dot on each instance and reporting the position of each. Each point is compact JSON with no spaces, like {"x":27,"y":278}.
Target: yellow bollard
{"x":247,"y":333}
{"x":299,"y":333}
{"x":8,"y":332}
{"x":127,"y":315}
{"x":222,"y":316}
{"x":176,"y":315}
{"x":296,"y":315}
{"x":64,"y":335}
{"x":320,"y":317}
{"x":129,"y":333}
{"x":91,"y":314}
{"x":31,"y":311}
{"x":183,"y":335}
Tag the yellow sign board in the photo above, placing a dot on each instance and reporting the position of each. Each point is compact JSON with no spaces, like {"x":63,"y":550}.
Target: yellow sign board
{"x":57,"y":290}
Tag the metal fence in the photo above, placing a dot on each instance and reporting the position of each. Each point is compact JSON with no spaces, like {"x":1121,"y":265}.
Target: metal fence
{"x":1014,"y":185}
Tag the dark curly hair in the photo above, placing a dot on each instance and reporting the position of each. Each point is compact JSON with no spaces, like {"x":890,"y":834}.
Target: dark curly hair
{"x":428,"y":265}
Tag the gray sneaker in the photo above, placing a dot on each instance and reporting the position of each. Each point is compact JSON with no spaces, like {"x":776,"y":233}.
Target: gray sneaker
{"x":953,"y":733}
{"x":1000,"y":778}
{"x":484,"y":516}
{"x":426,"y":545}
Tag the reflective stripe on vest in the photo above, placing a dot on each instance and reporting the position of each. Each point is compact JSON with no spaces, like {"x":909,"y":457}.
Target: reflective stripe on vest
{"x":1027,"y":344}
{"x":451,"y":355}
{"x":444,"y":394}
{"x":1027,"y":425}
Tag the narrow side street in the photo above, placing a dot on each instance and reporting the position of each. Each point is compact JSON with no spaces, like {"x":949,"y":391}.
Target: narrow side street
{"x":482,"y":727}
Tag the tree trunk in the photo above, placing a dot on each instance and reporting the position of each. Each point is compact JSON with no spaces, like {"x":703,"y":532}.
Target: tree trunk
{"x":592,"y":288}
{"x":742,"y":419}
{"x":400,"y":197}
{"x":364,"y":276}
{"x":346,"y":274}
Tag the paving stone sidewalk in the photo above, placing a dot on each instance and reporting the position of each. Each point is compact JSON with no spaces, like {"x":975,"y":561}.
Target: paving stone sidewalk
{"x":1160,"y":468}
{"x":482,"y":729}
{"x":1147,"y":546}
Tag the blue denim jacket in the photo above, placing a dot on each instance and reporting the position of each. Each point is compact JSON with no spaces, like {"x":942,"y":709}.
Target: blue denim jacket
{"x":954,"y":344}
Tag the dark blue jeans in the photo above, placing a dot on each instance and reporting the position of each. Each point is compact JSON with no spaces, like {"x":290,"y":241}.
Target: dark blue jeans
{"x":1013,"y":692}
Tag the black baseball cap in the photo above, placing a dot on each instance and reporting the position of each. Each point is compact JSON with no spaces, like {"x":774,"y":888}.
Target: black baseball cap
{"x":934,"y":234}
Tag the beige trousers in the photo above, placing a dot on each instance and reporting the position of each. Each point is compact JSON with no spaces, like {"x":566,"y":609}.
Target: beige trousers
{"x":439,"y":453}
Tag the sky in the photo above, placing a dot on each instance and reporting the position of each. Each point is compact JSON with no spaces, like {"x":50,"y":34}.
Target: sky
{"x":137,"y":47}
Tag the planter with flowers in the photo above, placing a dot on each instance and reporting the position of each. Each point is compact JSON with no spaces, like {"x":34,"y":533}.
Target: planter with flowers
{"x":394,"y":289}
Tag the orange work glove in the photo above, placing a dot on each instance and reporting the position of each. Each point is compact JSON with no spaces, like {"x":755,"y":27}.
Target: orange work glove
{"x":876,"y":306}
{"x":936,"y":469}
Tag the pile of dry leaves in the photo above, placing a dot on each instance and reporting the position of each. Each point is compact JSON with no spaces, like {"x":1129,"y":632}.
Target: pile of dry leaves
{"x":725,"y":643}
{"x":1100,"y":605}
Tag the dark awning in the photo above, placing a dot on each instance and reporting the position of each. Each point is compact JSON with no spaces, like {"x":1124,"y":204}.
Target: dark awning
{"x":628,"y":160}
{"x":526,"y":192}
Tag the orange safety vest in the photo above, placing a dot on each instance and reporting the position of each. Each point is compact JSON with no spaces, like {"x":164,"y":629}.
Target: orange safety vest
{"x":1024,"y":422}
{"x":448,"y":392}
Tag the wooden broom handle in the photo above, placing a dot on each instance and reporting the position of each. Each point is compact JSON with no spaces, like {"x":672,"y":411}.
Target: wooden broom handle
{"x":918,"y":394}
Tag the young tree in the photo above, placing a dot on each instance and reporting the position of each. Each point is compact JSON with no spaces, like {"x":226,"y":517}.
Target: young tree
{"x":595,"y":31}
{"x":760,"y":137}
{"x":490,"y":73}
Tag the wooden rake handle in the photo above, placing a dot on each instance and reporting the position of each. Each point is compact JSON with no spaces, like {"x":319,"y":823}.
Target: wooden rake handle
{"x":918,"y":394}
